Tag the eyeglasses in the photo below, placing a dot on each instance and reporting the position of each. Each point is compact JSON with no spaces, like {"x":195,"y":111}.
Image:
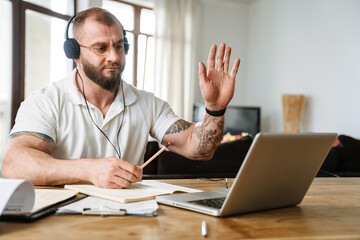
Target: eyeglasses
{"x":103,"y":50}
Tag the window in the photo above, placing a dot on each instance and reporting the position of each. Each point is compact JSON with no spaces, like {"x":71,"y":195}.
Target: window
{"x":146,"y":53}
{"x":5,"y":69}
{"x":146,"y":56}
{"x":139,"y":23}
{"x":45,"y":60}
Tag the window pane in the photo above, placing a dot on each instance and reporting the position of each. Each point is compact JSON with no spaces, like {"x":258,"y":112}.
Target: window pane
{"x":146,"y":59}
{"x":5,"y":70}
{"x":45,"y":60}
{"x":123,"y":12}
{"x":147,"y":21}
{"x":128,"y":75}
{"x":60,"y":6}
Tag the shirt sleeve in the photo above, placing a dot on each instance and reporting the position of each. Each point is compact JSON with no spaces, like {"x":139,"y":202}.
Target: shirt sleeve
{"x":164,"y":118}
{"x":36,"y":114}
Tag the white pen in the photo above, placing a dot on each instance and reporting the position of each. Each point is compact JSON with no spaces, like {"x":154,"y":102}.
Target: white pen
{"x":204,"y":229}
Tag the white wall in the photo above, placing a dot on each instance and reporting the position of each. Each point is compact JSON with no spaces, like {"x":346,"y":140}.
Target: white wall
{"x":310,"y":47}
{"x":224,"y":21}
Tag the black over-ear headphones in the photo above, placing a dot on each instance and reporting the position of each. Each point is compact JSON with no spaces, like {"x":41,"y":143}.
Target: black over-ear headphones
{"x":72,"y":47}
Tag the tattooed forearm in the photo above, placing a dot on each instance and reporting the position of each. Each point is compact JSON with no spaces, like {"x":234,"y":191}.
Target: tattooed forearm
{"x":178,"y":126}
{"x":209,"y":138}
{"x":34,"y":134}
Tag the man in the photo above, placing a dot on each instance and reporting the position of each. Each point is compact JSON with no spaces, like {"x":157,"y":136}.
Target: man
{"x":94,"y":127}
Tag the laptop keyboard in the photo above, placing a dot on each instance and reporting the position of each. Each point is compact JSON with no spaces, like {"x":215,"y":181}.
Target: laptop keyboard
{"x":211,"y":202}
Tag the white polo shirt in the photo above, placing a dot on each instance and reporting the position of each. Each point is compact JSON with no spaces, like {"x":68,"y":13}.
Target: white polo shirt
{"x":59,"y":111}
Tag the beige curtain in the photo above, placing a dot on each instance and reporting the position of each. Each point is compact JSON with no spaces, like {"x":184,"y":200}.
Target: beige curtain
{"x":175,"y":68}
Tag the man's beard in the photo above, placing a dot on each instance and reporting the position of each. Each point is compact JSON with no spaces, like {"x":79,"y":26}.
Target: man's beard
{"x":108,"y":83}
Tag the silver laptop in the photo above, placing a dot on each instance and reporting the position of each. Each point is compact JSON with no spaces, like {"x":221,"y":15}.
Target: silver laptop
{"x":277,"y":172}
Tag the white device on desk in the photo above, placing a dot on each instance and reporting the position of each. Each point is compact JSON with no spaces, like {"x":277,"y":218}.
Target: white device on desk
{"x":277,"y":172}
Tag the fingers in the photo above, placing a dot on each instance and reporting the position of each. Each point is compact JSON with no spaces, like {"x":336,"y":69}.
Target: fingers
{"x":202,"y":72}
{"x":235,"y":68}
{"x":227,"y":59}
{"x":114,"y":185}
{"x":132,"y":172}
{"x":211,"y":58}
{"x":122,"y":179}
{"x":220,"y":57}
{"x":221,"y":63}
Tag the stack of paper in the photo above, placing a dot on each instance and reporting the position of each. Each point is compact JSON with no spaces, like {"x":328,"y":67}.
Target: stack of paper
{"x":20,"y":201}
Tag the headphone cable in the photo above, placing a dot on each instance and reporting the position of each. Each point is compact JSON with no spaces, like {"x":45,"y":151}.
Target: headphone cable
{"x":118,"y":151}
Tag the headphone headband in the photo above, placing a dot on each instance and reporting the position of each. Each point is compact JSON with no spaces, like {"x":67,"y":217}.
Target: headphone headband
{"x":72,"y":47}
{"x":68,"y":26}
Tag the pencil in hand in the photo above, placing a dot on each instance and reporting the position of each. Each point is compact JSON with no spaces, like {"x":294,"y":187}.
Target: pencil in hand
{"x":154,"y":156}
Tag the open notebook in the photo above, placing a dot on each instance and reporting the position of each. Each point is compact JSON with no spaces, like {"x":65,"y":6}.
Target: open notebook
{"x":140,"y":191}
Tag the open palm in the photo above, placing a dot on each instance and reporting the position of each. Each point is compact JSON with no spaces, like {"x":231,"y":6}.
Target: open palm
{"x":217,"y":85}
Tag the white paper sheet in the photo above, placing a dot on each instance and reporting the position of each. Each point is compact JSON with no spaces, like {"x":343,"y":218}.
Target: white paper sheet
{"x":16,"y":196}
{"x":139,"y":208}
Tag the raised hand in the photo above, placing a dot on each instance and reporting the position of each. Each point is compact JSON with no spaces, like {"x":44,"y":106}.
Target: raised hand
{"x":217,"y":85}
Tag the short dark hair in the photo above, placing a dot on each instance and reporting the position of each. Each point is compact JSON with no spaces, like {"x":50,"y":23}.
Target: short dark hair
{"x":99,"y":14}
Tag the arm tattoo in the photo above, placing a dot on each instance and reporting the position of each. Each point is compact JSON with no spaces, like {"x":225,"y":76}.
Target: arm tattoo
{"x":178,"y":126}
{"x":209,"y":138}
{"x":41,"y":136}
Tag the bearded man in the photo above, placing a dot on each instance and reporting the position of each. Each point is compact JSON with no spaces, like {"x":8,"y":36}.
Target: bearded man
{"x":94,"y":127}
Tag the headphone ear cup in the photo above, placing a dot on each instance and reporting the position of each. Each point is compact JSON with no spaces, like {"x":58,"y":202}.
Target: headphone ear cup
{"x":126,"y":45}
{"x":71,"y":48}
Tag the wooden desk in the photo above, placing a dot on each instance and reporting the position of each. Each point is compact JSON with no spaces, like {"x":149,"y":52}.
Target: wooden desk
{"x":330,"y":210}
